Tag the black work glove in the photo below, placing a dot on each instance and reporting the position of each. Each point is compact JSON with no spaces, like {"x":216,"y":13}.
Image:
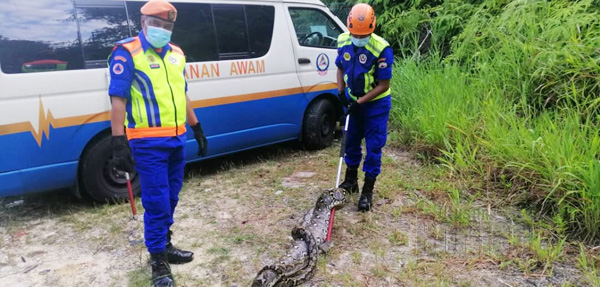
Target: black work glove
{"x":201,"y":139}
{"x":352,"y":109}
{"x":343,"y":98}
{"x":122,"y":159}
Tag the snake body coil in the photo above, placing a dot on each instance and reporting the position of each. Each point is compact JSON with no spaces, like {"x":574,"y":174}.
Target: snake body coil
{"x":298,"y":264}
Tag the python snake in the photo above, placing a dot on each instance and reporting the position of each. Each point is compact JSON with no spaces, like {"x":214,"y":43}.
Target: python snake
{"x":298,"y":264}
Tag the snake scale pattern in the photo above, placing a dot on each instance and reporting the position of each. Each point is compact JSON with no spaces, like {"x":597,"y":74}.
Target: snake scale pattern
{"x":298,"y":264}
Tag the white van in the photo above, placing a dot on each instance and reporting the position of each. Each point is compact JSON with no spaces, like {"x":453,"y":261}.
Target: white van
{"x":259,"y":72}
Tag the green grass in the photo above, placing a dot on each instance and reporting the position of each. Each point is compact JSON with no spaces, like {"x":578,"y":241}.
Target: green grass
{"x":514,"y":104}
{"x":589,"y":265}
{"x":139,"y":277}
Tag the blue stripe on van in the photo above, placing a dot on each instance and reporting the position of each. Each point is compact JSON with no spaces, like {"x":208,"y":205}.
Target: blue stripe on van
{"x":26,"y":167}
{"x":38,"y":179}
{"x":21,"y":151}
{"x":283,"y":121}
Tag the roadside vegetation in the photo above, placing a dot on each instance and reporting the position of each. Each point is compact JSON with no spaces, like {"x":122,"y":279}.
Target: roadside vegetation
{"x":505,"y":95}
{"x":509,"y":99}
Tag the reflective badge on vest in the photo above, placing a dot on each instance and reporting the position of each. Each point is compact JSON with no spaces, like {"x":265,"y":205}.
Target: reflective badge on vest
{"x":152,"y":61}
{"x":173,"y":60}
{"x":347,"y":56}
{"x":362,"y":58}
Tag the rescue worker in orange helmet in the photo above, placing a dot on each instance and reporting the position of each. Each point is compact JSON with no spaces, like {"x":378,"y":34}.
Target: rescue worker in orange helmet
{"x":364,"y":64}
{"x":148,"y":92}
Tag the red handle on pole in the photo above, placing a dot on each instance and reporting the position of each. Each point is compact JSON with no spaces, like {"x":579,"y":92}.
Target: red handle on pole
{"x":130,"y":194}
{"x":330,"y":224}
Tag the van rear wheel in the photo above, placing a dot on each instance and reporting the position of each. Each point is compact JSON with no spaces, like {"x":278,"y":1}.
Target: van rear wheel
{"x":319,"y":125}
{"x":99,"y":179}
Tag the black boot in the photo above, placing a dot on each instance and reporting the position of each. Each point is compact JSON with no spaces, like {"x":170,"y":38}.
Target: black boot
{"x":350,"y":183}
{"x":161,"y":271}
{"x":366,"y":197}
{"x":177,"y":256}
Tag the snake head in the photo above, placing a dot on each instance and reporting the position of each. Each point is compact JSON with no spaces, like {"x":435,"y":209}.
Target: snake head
{"x":332,"y":198}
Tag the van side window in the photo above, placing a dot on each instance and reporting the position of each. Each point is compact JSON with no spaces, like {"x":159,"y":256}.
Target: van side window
{"x":243,"y":31}
{"x":260,"y":21}
{"x":194,"y":30}
{"x":314,"y":28}
{"x":195,"y":33}
{"x":101,"y":24}
{"x":215,"y":32}
{"x":38,"y":36}
{"x":232,"y":33}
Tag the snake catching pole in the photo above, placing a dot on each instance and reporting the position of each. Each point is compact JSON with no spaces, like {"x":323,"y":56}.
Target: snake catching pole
{"x":339,"y":172}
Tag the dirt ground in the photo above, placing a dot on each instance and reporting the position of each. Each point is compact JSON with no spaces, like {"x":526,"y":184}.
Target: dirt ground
{"x":236,"y":213}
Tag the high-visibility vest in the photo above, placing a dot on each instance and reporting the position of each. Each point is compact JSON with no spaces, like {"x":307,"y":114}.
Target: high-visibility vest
{"x":158,"y":99}
{"x":365,"y":81}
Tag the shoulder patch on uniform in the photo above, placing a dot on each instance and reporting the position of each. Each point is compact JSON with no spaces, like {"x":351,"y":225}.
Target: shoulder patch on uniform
{"x":120,"y":58}
{"x":382,"y":65}
{"x":118,"y":69}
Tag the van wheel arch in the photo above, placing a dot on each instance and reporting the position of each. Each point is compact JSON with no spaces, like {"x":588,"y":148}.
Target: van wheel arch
{"x":96,"y":179}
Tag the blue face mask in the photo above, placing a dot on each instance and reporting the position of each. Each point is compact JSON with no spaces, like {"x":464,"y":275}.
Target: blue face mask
{"x":360,"y":42}
{"x":157,"y":37}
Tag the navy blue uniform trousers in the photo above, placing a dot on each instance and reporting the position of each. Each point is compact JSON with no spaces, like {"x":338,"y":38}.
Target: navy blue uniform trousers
{"x":369,"y":123}
{"x":159,"y":163}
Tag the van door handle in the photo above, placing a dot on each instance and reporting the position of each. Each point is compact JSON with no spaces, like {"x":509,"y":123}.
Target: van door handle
{"x":303,"y":61}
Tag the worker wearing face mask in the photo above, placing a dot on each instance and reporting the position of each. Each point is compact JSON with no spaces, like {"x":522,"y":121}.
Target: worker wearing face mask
{"x":364,"y":64}
{"x":150,"y":109}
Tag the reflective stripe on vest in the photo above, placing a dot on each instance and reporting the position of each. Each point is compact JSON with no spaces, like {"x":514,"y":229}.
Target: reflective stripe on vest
{"x":158,"y":101}
{"x":375,"y":46}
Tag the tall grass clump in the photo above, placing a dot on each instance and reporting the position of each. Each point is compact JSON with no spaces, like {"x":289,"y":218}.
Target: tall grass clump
{"x":516,"y":94}
{"x":536,"y":52}
{"x":427,"y":97}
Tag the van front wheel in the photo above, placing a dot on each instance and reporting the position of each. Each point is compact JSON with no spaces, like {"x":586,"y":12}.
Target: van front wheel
{"x":319,"y":125}
{"x":99,"y":179}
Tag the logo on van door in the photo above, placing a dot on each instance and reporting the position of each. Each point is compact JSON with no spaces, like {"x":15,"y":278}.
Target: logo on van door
{"x":322,"y":64}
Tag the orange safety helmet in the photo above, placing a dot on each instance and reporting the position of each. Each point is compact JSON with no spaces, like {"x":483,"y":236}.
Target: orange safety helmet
{"x":361,"y":19}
